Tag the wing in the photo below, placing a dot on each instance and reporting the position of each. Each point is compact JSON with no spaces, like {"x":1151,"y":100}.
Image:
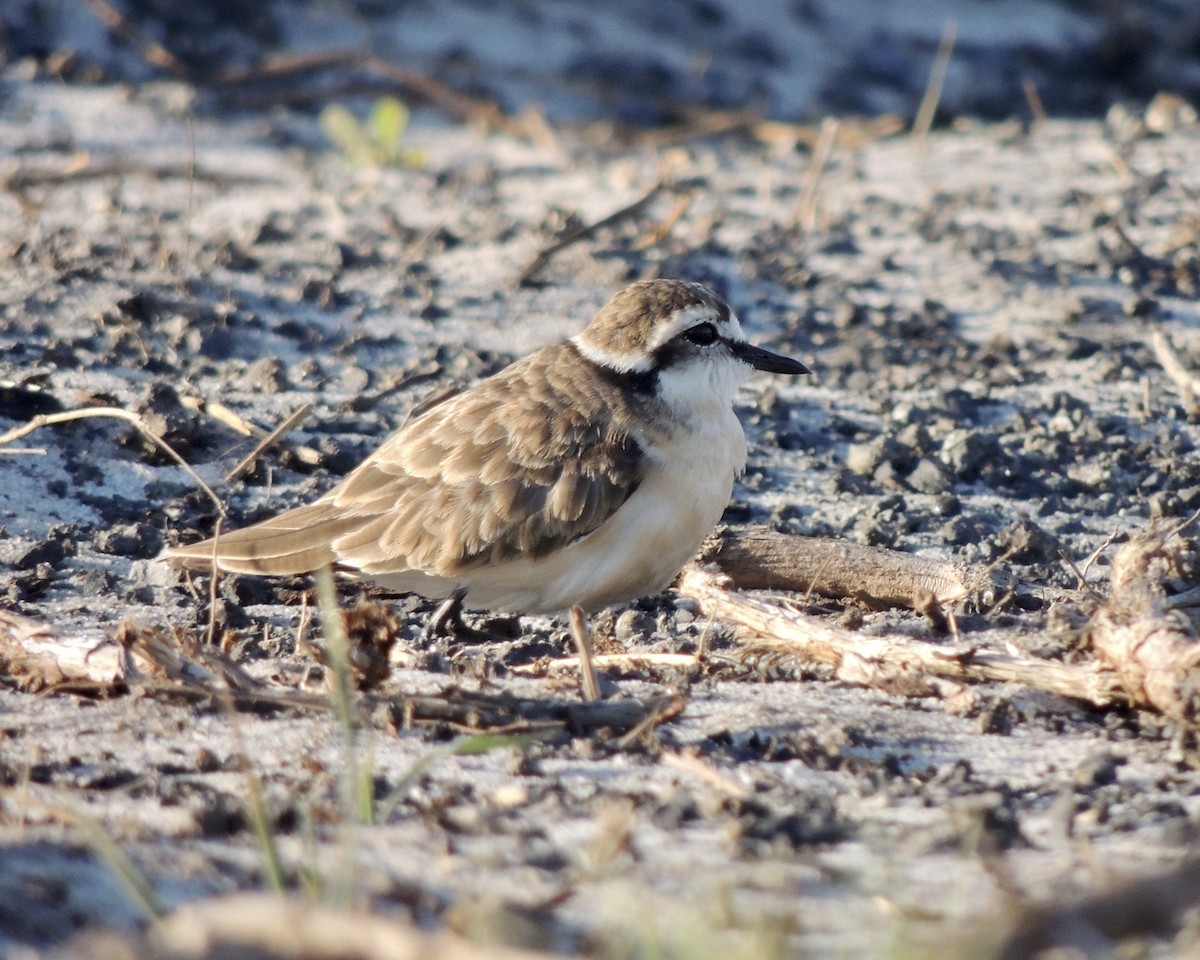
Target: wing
{"x":527,"y":461}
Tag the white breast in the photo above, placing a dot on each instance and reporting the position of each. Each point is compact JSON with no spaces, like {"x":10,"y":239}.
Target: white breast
{"x":645,"y":543}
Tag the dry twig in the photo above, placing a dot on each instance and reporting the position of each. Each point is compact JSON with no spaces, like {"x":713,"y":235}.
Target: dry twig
{"x":248,"y":461}
{"x":933,"y":90}
{"x":573,"y":236}
{"x":287,"y":67}
{"x":806,"y":207}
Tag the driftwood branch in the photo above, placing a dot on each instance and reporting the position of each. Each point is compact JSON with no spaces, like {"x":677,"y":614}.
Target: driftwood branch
{"x":759,"y":558}
{"x":1142,"y":630}
{"x":886,"y":661}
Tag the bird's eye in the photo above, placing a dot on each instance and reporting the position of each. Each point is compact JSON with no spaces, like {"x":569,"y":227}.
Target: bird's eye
{"x":703,"y":334}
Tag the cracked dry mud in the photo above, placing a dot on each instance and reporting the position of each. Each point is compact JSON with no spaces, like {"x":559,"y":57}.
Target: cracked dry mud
{"x":979,"y":318}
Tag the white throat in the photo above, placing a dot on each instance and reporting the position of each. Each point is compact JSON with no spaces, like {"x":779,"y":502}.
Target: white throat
{"x":702,"y":390}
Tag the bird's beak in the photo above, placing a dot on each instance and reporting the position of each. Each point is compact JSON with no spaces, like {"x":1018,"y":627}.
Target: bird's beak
{"x":761,"y":359}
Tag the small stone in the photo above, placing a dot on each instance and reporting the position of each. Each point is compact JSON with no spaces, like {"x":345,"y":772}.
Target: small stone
{"x":866,"y":458}
{"x":966,"y":452}
{"x":140,"y":540}
{"x":928,"y":477}
{"x":633,"y":625}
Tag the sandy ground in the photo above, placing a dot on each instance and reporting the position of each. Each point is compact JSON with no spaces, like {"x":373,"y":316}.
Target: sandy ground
{"x":978,"y":310}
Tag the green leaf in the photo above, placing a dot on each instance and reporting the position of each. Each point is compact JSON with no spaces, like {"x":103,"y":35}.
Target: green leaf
{"x":387,"y":122}
{"x":347,"y":134}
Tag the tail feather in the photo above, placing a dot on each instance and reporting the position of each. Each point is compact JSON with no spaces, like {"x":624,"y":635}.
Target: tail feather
{"x":297,"y":541}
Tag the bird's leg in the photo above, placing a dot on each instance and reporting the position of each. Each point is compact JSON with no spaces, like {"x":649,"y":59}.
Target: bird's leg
{"x":448,"y":620}
{"x":583,"y":643}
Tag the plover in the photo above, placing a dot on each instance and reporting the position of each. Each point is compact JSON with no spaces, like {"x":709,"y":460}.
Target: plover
{"x":584,"y":475}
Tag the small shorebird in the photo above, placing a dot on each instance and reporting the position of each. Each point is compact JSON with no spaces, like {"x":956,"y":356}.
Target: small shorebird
{"x":582,"y":476}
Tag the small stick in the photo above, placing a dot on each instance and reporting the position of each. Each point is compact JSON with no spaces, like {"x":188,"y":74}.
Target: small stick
{"x":1034,"y":100}
{"x":933,"y":90}
{"x":663,"y":230}
{"x":583,"y":642}
{"x":613,"y":660}
{"x":582,"y":233}
{"x":154,"y":53}
{"x":806,"y":207}
{"x":457,"y":104}
{"x":22,"y":179}
{"x":218,"y":411}
{"x":213,"y":583}
{"x":708,"y":124}
{"x":690,"y":763}
{"x":248,"y":461}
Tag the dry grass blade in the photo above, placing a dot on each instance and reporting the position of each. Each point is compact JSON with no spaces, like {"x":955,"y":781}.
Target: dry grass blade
{"x":806,"y":208}
{"x":271,"y":438}
{"x":154,"y":53}
{"x":106,"y":849}
{"x":290,"y":66}
{"x":933,"y":90}
{"x":583,"y":643}
{"x":1034,"y":100}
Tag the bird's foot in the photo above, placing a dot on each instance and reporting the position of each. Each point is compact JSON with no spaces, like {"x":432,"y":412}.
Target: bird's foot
{"x":448,"y":622}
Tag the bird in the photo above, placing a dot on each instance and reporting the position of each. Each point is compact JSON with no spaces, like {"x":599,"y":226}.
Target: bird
{"x":582,"y":476}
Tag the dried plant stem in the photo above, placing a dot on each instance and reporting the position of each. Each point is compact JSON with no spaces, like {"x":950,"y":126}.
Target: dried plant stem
{"x":114,"y":413}
{"x":248,"y":461}
{"x":1149,"y":640}
{"x":582,"y":233}
{"x":806,"y":208}
{"x":933,"y":90}
{"x":583,"y":643}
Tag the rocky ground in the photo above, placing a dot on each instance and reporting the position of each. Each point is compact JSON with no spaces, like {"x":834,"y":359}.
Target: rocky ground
{"x":979,"y":308}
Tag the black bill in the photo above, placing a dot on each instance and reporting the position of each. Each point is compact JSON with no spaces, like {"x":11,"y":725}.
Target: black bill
{"x":761,"y":359}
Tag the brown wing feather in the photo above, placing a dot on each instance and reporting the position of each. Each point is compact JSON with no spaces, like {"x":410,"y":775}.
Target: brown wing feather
{"x":474,"y":480}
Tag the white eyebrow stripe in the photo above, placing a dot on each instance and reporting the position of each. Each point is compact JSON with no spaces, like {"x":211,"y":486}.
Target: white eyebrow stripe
{"x":685,"y":318}
{"x":622,"y":363}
